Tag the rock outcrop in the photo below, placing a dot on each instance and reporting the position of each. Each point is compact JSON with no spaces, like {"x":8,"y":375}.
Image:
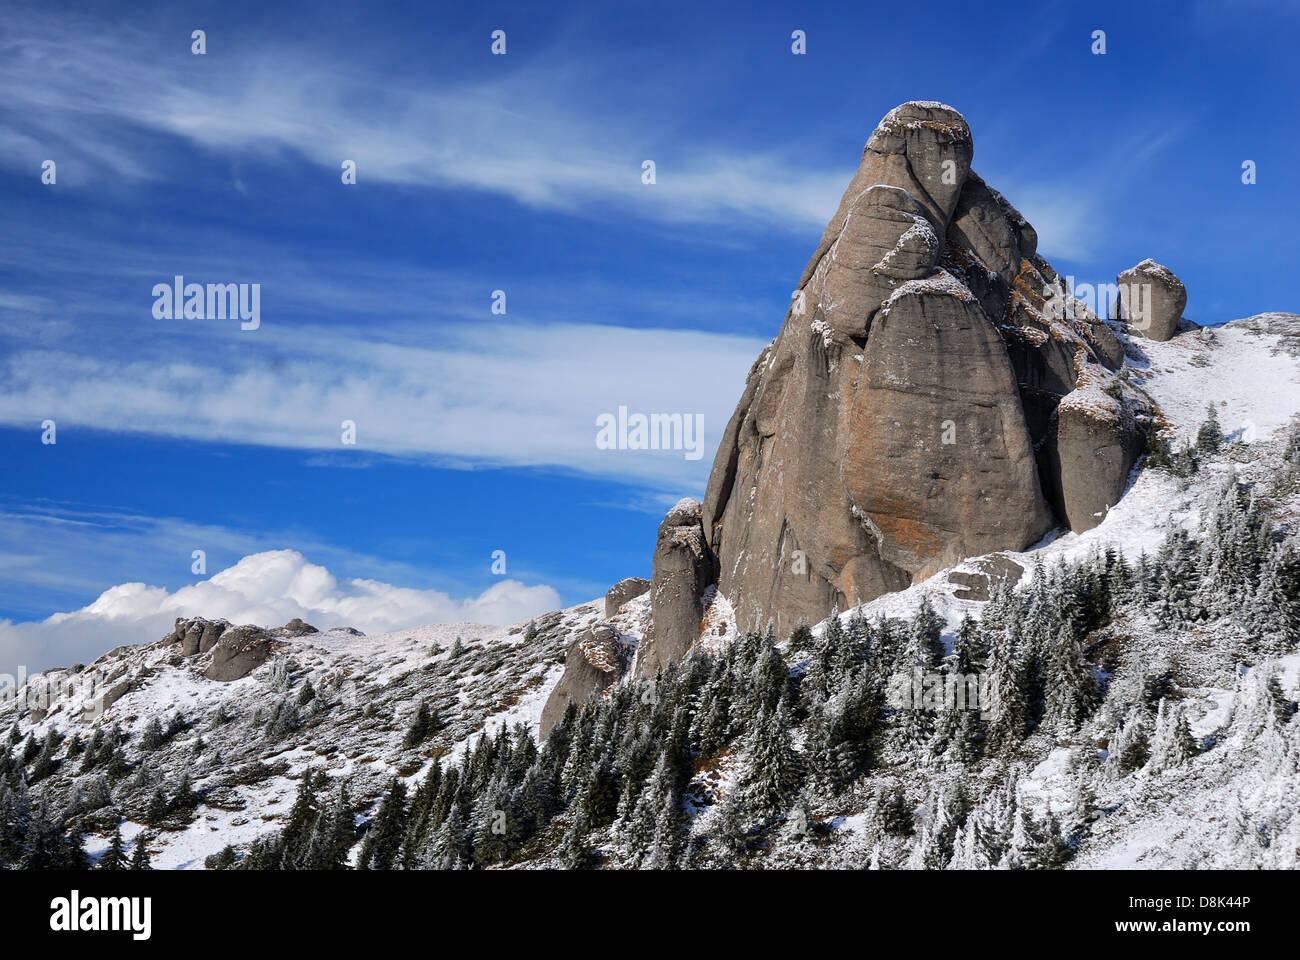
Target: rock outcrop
{"x":935,"y":393}
{"x":1151,"y":300}
{"x":684,"y":568}
{"x":596,"y":658}
{"x":1097,"y":440}
{"x":629,"y":588}
{"x":906,"y":415}
{"x":232,"y":652}
{"x":239,"y":652}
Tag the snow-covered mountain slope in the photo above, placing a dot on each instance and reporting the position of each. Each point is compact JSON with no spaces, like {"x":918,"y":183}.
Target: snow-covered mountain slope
{"x":246,"y":743}
{"x":349,"y":706}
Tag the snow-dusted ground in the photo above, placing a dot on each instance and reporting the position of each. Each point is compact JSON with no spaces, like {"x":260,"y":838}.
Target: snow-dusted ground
{"x":368,"y":689}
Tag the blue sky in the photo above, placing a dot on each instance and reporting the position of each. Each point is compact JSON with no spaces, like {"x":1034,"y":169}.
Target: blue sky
{"x":475,"y":431}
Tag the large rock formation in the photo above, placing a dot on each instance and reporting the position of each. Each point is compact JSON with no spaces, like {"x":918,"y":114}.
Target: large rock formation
{"x":629,"y":588}
{"x":596,"y":658}
{"x":227,"y":652}
{"x":906,"y":415}
{"x":935,"y":393}
{"x":1151,"y":300}
{"x":684,"y":567}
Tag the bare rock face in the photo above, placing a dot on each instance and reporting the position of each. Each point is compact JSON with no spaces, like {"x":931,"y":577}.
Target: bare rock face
{"x":196,"y":635}
{"x":1097,"y":441}
{"x":1151,"y":300}
{"x":629,"y":588}
{"x":239,"y":652}
{"x":905,"y":417}
{"x":596,"y":658}
{"x":684,"y":567}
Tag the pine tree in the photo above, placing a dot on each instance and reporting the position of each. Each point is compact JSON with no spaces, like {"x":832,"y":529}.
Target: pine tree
{"x":45,"y":763}
{"x":1072,"y":689}
{"x":648,"y":835}
{"x":769,"y":774}
{"x":495,"y":831}
{"x":156,"y":812}
{"x":925,"y":644}
{"x":1173,"y":745}
{"x":424,"y":725}
{"x":184,"y":801}
{"x":152,"y":737}
{"x":114,"y":858}
{"x":1009,"y":702}
{"x":384,"y":838}
{"x":894,"y":812}
{"x":225,"y":858}
{"x":575,"y":849}
{"x":1209,"y":438}
{"x":299,"y":827}
{"x":140,"y":859}
{"x":449,"y":848}
{"x":1134,"y":748}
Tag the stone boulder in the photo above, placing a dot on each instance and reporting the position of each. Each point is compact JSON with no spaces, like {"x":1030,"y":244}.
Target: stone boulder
{"x":629,"y":588}
{"x":239,"y":652}
{"x":1096,"y":441}
{"x":297,"y":627}
{"x":683,"y":569}
{"x":1151,"y":300}
{"x":196,"y":635}
{"x":594,"y":661}
{"x":989,"y":573}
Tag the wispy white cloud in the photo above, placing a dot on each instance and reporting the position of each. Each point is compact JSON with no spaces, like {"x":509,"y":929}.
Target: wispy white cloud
{"x":507,"y":394}
{"x":535,"y":133}
{"x":267,"y":589}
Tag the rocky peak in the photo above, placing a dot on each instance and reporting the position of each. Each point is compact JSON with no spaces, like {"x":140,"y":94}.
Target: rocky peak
{"x":934,"y":394}
{"x":909,"y":413}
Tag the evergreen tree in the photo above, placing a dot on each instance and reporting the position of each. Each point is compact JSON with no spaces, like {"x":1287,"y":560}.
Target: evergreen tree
{"x":140,"y":858}
{"x":299,"y":828}
{"x":224,"y":860}
{"x":114,"y":858}
{"x":769,"y":774}
{"x":45,"y":763}
{"x":152,"y":737}
{"x":649,"y":835}
{"x":1134,"y":748}
{"x":1209,"y":438}
{"x":1072,"y":689}
{"x":894,"y":812}
{"x":424,"y":725}
{"x":156,"y":812}
{"x":384,"y":838}
{"x":1173,"y":745}
{"x":184,"y":801}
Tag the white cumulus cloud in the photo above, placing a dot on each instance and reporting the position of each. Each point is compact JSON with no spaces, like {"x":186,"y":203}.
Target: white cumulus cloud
{"x":267,"y":589}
